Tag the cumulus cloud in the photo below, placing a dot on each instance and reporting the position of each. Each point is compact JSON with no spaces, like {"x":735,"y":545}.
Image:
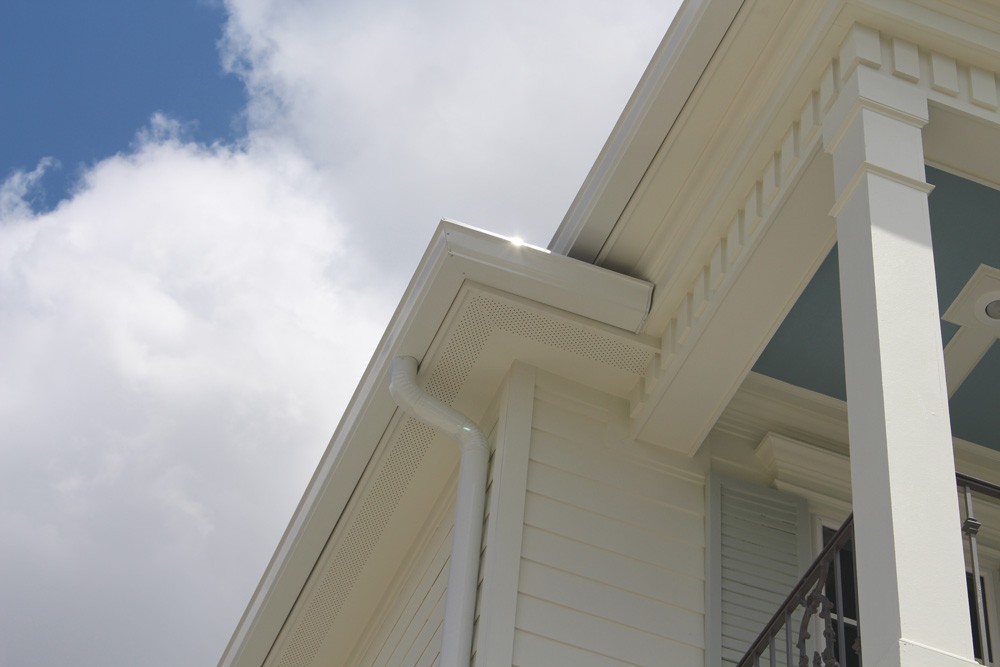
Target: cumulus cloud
{"x":178,"y":338}
{"x":17,"y":191}
{"x":486,"y":113}
{"x":177,"y":344}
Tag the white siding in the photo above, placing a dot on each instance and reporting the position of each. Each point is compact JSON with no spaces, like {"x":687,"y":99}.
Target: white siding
{"x":608,"y":563}
{"x":763,"y":544}
{"x":612,"y":568}
{"x":410,"y":634}
{"x":409,"y":630}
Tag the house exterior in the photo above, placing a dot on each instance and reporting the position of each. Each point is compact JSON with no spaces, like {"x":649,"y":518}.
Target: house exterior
{"x":772,"y":303}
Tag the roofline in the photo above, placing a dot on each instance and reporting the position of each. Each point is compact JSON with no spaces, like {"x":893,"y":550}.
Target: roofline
{"x":662,"y":92}
{"x":455,"y":255}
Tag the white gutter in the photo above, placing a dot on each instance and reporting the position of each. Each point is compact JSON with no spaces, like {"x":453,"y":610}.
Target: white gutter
{"x":457,"y":255}
{"x":467,"y":535}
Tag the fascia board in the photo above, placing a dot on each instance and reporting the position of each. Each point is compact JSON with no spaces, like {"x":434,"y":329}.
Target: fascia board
{"x":964,"y":29}
{"x":662,"y":92}
{"x":455,"y":255}
{"x":554,"y":280}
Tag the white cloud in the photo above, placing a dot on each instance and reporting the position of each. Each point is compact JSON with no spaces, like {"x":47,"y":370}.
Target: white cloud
{"x":178,"y":338}
{"x":487,"y":113}
{"x":15,"y":192}
{"x":175,"y":351}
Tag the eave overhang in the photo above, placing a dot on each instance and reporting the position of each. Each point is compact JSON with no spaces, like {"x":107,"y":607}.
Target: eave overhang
{"x":661,"y":94}
{"x":801,"y":439}
{"x":462,"y":269}
{"x":716,"y":188}
{"x":724,"y":79}
{"x":713,"y":178}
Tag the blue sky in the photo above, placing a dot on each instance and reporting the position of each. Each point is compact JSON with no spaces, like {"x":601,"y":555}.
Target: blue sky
{"x":188,"y":301}
{"x":81,"y":77}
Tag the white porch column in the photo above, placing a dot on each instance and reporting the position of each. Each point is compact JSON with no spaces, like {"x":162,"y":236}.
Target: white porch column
{"x":911,"y":574}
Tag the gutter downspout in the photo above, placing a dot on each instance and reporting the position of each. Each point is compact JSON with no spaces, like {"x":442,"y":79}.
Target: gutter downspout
{"x":467,"y":538}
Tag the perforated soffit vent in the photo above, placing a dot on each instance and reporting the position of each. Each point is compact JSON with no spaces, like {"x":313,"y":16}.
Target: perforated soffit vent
{"x":401,"y":453}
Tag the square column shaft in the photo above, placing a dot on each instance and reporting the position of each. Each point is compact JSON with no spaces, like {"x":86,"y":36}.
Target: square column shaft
{"x":911,"y":573}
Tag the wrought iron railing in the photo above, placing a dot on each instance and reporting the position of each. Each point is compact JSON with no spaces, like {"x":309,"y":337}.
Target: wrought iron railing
{"x":809,"y":608}
{"x":970,"y":528}
{"x":808,"y":601}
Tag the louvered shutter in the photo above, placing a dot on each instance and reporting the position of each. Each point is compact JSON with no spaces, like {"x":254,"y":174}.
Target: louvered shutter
{"x":759,"y":547}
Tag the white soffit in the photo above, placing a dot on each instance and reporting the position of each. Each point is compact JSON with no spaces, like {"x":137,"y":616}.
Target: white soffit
{"x":823,"y":477}
{"x":483,"y":334}
{"x":765,"y":408}
{"x":763,"y":405}
{"x":668,"y":176}
{"x":598,"y":304}
{"x":721,"y":76}
{"x":753,"y":161}
{"x":723,"y":325}
{"x":819,"y":475}
{"x":966,"y":148}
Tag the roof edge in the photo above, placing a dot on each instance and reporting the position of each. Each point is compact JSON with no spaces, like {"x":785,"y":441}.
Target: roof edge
{"x":664,"y":89}
{"x":456,"y":254}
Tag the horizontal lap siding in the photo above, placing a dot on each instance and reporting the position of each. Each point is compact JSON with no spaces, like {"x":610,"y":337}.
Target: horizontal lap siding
{"x":534,"y":651}
{"x":762,"y":556}
{"x":612,"y":568}
{"x":410,"y":634}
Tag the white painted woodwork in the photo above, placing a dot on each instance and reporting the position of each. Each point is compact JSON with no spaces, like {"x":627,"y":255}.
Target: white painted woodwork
{"x":820,"y":476}
{"x":902,"y":466}
{"x":344,"y":540}
{"x":759,"y":547}
{"x":795,"y":440}
{"x":411,"y":625}
{"x":702,"y":362}
{"x":699,"y":230}
{"x":465,"y":368}
{"x":653,"y":108}
{"x":408,"y":629}
{"x":592,"y":554}
{"x":715,"y":200}
{"x":500,"y":567}
{"x":978,"y":331}
{"x":612,"y":552}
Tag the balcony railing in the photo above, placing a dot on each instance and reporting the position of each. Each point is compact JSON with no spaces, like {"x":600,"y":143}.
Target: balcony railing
{"x":823,"y":603}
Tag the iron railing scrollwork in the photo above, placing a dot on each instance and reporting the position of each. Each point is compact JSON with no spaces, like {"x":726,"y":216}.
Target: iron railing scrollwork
{"x":811,"y":601}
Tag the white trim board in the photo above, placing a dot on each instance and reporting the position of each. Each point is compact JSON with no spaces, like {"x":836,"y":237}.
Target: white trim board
{"x":456,"y":256}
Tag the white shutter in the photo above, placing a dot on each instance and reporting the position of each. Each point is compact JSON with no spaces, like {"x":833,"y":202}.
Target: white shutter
{"x":759,"y":547}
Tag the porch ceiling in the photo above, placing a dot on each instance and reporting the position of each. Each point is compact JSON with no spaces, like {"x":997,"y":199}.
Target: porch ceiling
{"x":807,"y":349}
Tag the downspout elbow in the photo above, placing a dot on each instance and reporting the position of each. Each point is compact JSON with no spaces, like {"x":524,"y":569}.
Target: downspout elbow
{"x":418,"y":403}
{"x":463,"y":573}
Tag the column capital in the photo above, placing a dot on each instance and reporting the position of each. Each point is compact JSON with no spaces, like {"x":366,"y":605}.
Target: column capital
{"x":870,"y":90}
{"x":874,"y":129}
